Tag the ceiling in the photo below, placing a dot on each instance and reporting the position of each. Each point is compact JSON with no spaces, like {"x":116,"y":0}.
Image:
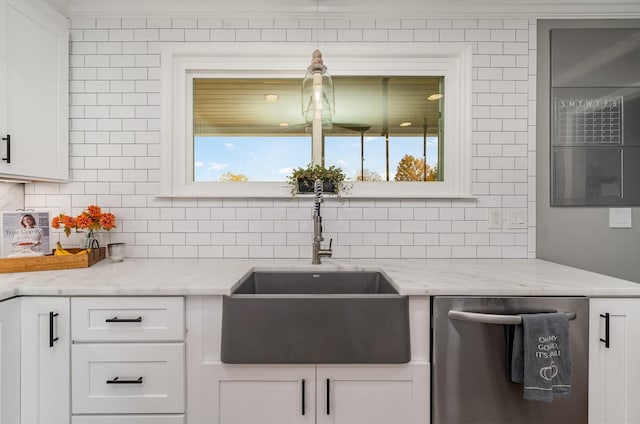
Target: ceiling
{"x":353,"y":8}
{"x":238,"y":106}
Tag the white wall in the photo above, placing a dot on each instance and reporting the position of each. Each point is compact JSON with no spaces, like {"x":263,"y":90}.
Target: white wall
{"x":115,"y":121}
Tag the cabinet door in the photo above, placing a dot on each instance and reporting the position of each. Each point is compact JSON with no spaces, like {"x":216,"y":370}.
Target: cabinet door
{"x":219,"y":393}
{"x":614,"y":371}
{"x":257,"y":394}
{"x":10,"y":361}
{"x":45,"y":361}
{"x":35,"y":91}
{"x":381,"y":394}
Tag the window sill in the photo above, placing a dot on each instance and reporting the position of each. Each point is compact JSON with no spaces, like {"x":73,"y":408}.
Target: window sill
{"x":358,"y":190}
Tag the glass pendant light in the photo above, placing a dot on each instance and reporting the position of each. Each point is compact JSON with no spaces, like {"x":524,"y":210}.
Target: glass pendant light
{"x":318,"y":101}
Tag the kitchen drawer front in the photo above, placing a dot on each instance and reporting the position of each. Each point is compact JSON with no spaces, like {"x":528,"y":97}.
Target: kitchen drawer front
{"x":143,"y":378}
{"x":128,"y":419}
{"x":106,"y":319}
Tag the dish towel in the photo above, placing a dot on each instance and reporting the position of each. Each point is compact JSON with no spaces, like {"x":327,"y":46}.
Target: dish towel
{"x":541,"y":358}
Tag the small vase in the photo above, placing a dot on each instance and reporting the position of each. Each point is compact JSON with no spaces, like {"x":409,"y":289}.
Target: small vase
{"x":306,"y":185}
{"x":91,"y":241}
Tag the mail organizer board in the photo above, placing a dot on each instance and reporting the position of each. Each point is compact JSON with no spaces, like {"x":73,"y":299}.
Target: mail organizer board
{"x":595,"y":117}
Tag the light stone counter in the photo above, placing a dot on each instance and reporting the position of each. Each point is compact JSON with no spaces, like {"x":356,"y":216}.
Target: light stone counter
{"x":469,"y":277}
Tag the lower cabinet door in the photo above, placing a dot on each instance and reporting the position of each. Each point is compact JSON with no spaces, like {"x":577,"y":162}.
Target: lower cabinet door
{"x":128,"y":378}
{"x":44,"y":366}
{"x":614,"y":367}
{"x":381,"y":394}
{"x":10,"y":360}
{"x":128,"y":419}
{"x":248,"y":394}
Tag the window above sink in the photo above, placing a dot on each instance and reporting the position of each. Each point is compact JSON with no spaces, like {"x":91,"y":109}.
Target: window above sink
{"x":447,"y":65}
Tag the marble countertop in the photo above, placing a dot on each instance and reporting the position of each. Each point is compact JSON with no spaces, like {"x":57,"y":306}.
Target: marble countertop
{"x":470,"y":277}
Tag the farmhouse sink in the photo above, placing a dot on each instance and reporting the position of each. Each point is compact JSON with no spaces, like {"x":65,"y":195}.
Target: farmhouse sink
{"x":331,"y":317}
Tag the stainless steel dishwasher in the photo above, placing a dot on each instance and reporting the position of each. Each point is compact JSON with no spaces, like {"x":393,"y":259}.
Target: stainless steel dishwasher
{"x":470,"y":382}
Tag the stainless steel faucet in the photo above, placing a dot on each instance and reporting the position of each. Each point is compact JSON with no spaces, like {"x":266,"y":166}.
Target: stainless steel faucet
{"x":318,"y":251}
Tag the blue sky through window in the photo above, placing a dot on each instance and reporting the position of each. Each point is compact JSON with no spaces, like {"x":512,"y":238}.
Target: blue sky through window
{"x":273,"y":158}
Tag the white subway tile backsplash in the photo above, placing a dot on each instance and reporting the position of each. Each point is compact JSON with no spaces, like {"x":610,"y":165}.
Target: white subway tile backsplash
{"x":400,"y":239}
{"x":388,"y":252}
{"x":439,"y":252}
{"x":119,"y":35}
{"x":134,"y":22}
{"x":387,"y":226}
{"x":405,"y":213}
{"x":413,"y":226}
{"x":159,"y":23}
{"x":439,"y":226}
{"x":115,"y":120}
{"x":426,"y":35}
{"x":452,"y":35}
{"x":375,"y":35}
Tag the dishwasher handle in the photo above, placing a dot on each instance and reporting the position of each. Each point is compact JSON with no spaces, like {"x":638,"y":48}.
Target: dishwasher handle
{"x":494,"y":318}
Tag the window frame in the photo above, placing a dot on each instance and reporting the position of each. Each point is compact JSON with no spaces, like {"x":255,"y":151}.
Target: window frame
{"x":181,"y":63}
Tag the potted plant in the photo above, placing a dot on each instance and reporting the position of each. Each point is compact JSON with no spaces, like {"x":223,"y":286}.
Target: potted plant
{"x":302,"y":179}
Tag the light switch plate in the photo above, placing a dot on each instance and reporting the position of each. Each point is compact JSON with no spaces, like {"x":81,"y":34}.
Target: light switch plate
{"x":620,"y":218}
{"x":495,"y":218}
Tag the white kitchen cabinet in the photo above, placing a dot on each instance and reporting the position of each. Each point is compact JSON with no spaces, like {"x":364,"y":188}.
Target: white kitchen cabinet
{"x":129,"y":378}
{"x":9,"y":361}
{"x":219,"y":393}
{"x":614,"y":370}
{"x":34,"y":92}
{"x":44,"y":388}
{"x":122,"y":319}
{"x":381,"y":394}
{"x":258,"y":394}
{"x":128,"y":358}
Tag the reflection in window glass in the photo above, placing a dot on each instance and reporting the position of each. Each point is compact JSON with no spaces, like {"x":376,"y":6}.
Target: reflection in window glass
{"x":252,"y":129}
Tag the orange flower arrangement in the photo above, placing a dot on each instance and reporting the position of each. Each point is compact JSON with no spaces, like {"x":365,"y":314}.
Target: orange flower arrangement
{"x":91,"y":219}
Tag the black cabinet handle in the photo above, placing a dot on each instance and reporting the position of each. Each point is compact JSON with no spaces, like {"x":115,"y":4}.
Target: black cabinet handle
{"x":8,"y":140}
{"x":116,"y":319}
{"x":52,"y":339}
{"x":303,"y":395}
{"x":116,"y":380}
{"x":328,"y":397}
{"x":607,"y":333}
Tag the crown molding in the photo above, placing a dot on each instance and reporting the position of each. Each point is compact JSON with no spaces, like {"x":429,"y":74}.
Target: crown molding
{"x":351,"y":9}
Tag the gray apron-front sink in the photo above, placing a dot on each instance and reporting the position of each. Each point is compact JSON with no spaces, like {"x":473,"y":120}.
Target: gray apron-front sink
{"x":345,"y":317}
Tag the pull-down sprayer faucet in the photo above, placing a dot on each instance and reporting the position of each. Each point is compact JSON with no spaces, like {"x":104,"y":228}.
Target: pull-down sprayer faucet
{"x":318,"y":251}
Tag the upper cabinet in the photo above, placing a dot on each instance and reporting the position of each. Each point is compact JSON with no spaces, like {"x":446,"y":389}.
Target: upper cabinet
{"x":34,"y":92}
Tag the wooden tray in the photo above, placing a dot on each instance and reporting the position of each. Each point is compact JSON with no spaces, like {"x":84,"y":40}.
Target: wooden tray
{"x":49,"y":262}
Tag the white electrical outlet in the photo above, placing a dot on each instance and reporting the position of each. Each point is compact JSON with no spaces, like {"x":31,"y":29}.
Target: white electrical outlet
{"x":620,"y":218}
{"x":495,"y":218}
{"x":516,"y":218}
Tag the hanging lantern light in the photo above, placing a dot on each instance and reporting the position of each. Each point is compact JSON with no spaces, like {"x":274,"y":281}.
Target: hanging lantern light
{"x":318,"y":101}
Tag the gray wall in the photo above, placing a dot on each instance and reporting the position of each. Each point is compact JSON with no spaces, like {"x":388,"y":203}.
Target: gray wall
{"x":577,"y":236}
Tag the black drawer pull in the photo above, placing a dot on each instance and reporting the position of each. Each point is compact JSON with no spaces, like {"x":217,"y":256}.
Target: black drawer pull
{"x":303,"y":396}
{"x":328,"y":397}
{"x":116,"y":380}
{"x":607,"y":334}
{"x":8,"y":140}
{"x":52,"y":339}
{"x":116,"y":319}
